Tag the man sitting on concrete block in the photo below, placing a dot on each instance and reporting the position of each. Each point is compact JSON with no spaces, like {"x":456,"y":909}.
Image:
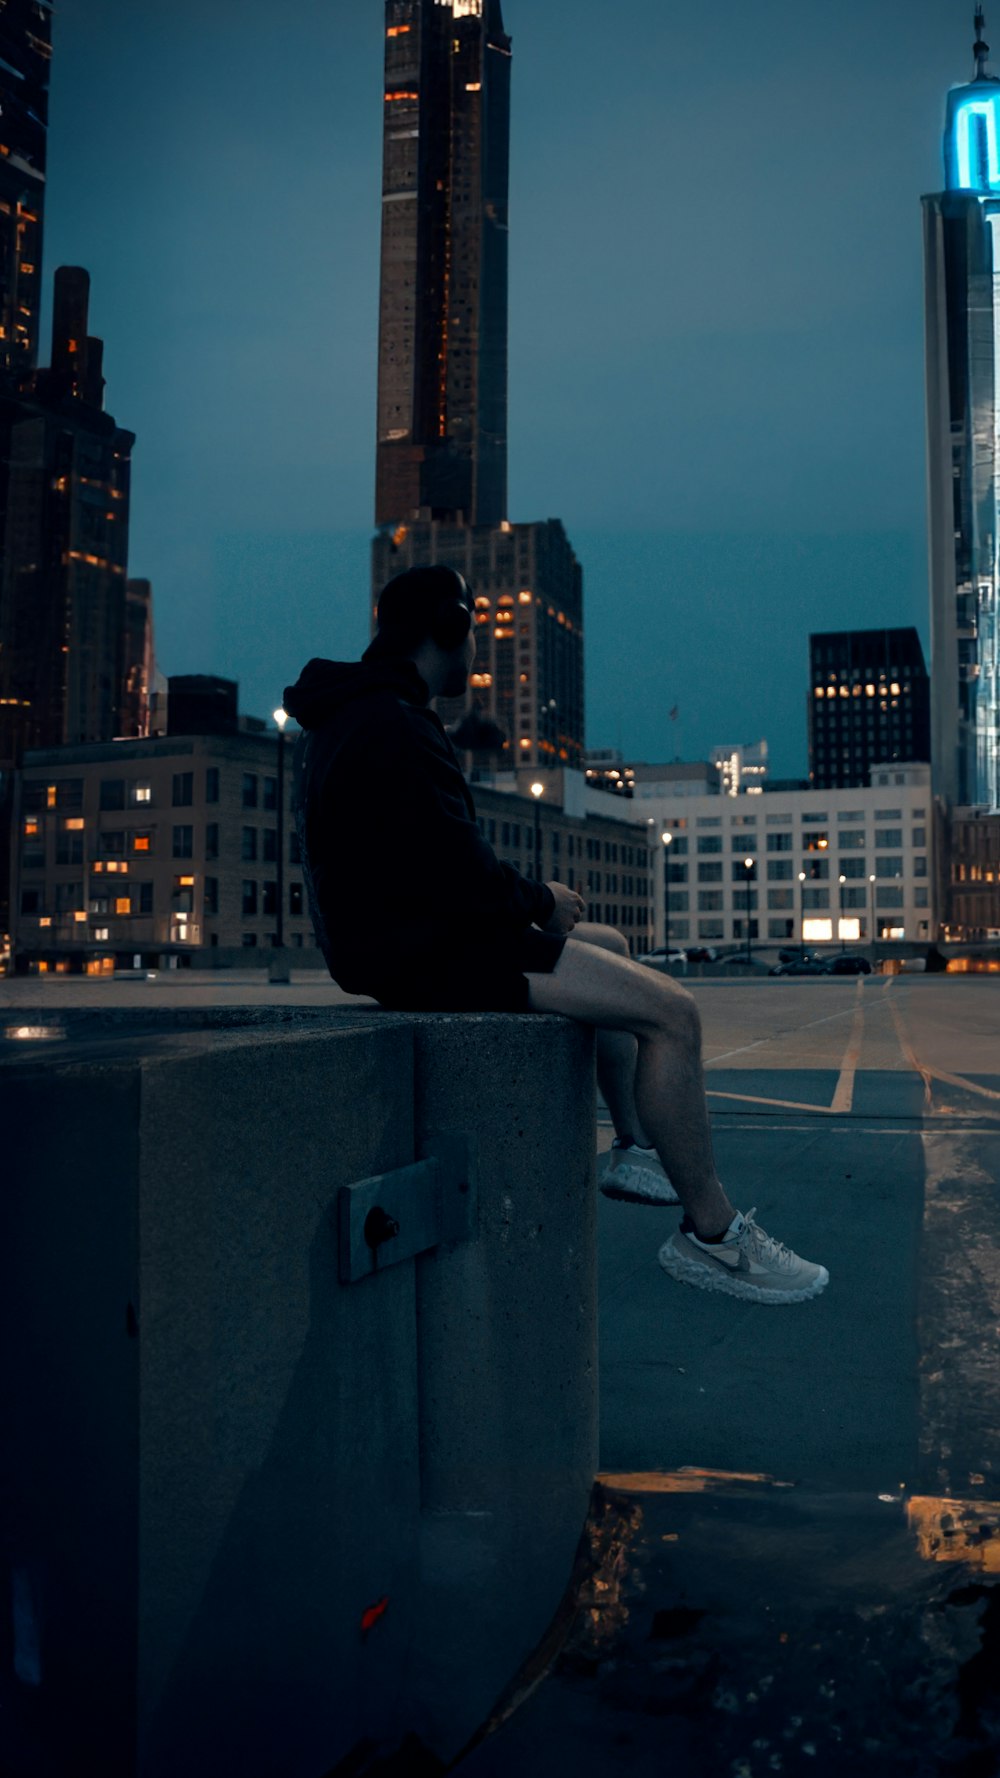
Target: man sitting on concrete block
{"x":412,"y":907}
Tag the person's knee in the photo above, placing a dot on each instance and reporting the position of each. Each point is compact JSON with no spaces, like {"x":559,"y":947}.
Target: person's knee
{"x":606,"y":938}
{"x":680,"y":1017}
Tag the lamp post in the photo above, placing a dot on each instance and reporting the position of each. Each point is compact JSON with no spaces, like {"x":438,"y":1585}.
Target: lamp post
{"x":748,"y":874}
{"x":843,"y":941}
{"x":667,"y":839}
{"x":651,"y":867}
{"x":538,"y":791}
{"x":802,"y":914}
{"x":281,"y":717}
{"x":871,"y":891}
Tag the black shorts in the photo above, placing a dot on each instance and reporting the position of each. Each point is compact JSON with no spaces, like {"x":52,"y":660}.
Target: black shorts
{"x":494,"y":982}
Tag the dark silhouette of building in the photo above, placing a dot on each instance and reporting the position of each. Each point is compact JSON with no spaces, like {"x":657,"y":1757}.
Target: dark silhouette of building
{"x":869,"y":704}
{"x":442,"y":381}
{"x":202,"y":704}
{"x":140,"y":667}
{"x":25,"y":55}
{"x":961,"y":257}
{"x":65,"y":547}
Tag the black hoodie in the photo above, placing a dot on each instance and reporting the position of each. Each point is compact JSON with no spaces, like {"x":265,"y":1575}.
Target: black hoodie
{"x":402,"y":886}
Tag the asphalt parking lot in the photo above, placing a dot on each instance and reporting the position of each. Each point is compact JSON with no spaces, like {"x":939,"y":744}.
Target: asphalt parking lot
{"x":799,"y":1536}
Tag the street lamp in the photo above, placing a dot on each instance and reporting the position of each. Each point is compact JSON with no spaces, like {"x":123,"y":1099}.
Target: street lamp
{"x":667,"y":838}
{"x":281,"y":717}
{"x":651,"y":867}
{"x":749,"y":865}
{"x":802,"y":913}
{"x":871,"y":890}
{"x":843,"y":941}
{"x":538,"y":791}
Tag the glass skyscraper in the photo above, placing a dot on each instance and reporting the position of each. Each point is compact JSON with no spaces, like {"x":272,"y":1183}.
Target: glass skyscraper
{"x":442,"y":372}
{"x":441,"y":481}
{"x":25,"y":56}
{"x":962,"y":270}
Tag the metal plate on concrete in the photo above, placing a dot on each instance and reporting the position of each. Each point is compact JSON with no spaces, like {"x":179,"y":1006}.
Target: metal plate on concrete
{"x":394,"y":1216}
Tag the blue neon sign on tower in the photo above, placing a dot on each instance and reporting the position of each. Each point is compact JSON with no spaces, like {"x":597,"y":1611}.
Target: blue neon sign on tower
{"x":972,"y":139}
{"x":972,"y":130}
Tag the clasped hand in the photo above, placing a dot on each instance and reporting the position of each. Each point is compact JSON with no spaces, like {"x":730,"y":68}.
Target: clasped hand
{"x":567,"y":912}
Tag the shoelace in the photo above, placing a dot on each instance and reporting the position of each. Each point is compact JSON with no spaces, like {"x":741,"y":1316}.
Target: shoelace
{"x":764,"y":1246}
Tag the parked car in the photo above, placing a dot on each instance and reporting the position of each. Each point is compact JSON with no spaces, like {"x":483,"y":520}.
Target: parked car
{"x":848,"y":963}
{"x":662,"y":959}
{"x":702,"y":954}
{"x":800,"y":966}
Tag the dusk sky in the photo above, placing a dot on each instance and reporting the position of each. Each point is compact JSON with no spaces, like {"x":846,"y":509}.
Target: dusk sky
{"x":716,"y":346}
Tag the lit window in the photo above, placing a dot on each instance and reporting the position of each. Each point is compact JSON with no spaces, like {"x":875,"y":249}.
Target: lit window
{"x":30,"y":829}
{"x":524,"y":598}
{"x":79,"y":915}
{"x":142,"y":793}
{"x":50,"y":796}
{"x":123,"y":904}
{"x":73,"y":824}
{"x":102,"y":934}
{"x":525,"y":742}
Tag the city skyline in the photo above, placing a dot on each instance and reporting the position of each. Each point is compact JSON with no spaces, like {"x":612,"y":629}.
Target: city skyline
{"x":654,"y":320}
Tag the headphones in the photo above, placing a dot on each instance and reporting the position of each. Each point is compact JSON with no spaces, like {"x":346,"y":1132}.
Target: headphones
{"x":453,"y":619}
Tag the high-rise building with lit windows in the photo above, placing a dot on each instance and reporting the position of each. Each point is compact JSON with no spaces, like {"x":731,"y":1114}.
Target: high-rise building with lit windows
{"x":64,"y":557}
{"x":869,"y":704}
{"x":528,"y":587}
{"x":441,"y":484}
{"x":962,"y":272}
{"x":442,"y":369}
{"x":25,"y":55}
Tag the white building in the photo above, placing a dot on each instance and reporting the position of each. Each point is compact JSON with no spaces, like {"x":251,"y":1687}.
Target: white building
{"x":826,"y":865}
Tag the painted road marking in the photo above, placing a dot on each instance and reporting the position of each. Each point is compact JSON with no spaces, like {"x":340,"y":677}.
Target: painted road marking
{"x":843,"y":1097}
{"x":779,"y":1104}
{"x":789,"y":1031}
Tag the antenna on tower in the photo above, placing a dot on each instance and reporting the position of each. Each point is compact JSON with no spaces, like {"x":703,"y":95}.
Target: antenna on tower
{"x":980,"y":49}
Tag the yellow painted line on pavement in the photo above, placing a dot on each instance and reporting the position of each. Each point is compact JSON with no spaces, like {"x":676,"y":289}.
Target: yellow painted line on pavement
{"x":910,"y":1054}
{"x":843,"y":1097}
{"x":789,"y":1031}
{"x":957,"y":1080}
{"x":782,"y":1104}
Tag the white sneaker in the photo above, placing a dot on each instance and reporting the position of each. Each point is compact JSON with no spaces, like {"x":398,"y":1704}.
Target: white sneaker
{"x":747,"y":1263}
{"x":636,"y":1176}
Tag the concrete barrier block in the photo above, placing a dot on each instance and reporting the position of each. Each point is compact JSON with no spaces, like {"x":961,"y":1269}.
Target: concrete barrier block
{"x":257,"y":1518}
{"x":508,"y":1354}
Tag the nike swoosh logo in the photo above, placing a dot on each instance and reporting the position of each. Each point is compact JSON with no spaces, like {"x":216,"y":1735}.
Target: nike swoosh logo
{"x":734,"y":1259}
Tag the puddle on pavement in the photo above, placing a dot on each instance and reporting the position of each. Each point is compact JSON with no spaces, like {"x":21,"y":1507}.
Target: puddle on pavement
{"x":738,"y":1625}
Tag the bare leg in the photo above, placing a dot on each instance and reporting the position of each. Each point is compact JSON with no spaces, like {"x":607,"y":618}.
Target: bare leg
{"x":617,"y":1051}
{"x":602,"y":988}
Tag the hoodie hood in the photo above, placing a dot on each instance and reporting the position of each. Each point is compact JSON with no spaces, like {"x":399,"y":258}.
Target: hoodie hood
{"x":324,"y":686}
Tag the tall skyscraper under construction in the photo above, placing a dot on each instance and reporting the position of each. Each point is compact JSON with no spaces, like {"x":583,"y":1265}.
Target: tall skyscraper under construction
{"x":441,"y":480}
{"x":962,"y":267}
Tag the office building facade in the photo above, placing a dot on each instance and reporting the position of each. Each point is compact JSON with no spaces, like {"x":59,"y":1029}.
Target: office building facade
{"x":962,"y":286}
{"x":868,"y":705}
{"x":831,"y":866}
{"x":152,"y":850}
{"x":442,"y":372}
